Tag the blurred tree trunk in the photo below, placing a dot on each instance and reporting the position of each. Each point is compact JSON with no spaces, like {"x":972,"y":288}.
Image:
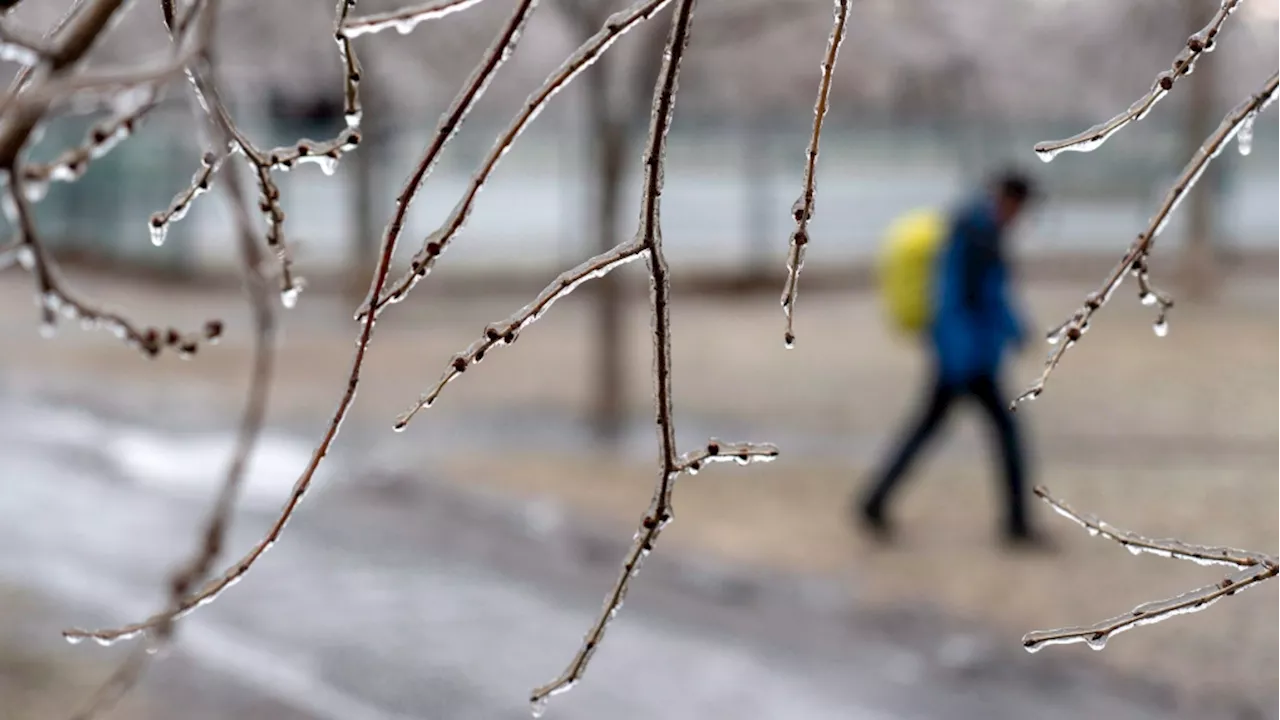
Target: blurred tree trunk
{"x":608,"y":155}
{"x":611,"y":104}
{"x":1200,"y":272}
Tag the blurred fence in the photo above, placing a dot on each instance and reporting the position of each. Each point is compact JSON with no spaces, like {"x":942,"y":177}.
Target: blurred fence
{"x":730,"y":183}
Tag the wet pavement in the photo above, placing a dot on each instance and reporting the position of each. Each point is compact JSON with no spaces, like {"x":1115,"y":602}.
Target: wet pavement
{"x":394,"y":595}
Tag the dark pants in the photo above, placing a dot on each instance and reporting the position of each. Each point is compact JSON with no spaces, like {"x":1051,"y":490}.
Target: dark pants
{"x":985,"y":390}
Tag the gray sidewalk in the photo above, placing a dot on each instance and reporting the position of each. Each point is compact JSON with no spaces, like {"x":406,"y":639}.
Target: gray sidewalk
{"x":417,"y":601}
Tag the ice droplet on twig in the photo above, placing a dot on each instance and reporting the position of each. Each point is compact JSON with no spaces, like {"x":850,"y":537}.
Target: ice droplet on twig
{"x":159,"y":231}
{"x":1160,"y":327}
{"x":1244,"y":138}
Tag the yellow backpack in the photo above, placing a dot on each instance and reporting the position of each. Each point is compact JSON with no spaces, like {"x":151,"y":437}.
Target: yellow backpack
{"x":905,"y":268}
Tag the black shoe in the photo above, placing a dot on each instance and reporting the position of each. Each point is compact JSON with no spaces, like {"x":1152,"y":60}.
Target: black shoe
{"x":1029,"y":541}
{"x":873,"y":522}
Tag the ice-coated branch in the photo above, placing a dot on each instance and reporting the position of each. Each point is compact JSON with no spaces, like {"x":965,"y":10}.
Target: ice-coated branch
{"x":250,"y":429}
{"x":1138,"y":544}
{"x":210,"y":163}
{"x":130,"y":106}
{"x":802,"y":210}
{"x":1251,"y":569}
{"x":324,"y":154}
{"x":449,"y":123}
{"x":615,"y":26}
{"x":102,"y":138}
{"x":351,"y":70}
{"x":1203,"y":41}
{"x":505,"y":332}
{"x":403,"y":20}
{"x":23,"y":76}
{"x":68,"y":45}
{"x":256,"y":401}
{"x":55,"y":299}
{"x":648,"y":236}
{"x":1096,"y":635}
{"x":115,"y":81}
{"x":743,"y":453}
{"x":1135,"y":261}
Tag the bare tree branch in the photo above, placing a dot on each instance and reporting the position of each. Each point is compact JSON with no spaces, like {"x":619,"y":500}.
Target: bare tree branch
{"x":1135,"y":260}
{"x":802,"y":210}
{"x":1139,"y":544}
{"x":1197,"y":45}
{"x":24,"y":75}
{"x":56,"y":299}
{"x":1251,"y":569}
{"x":71,"y":43}
{"x":615,"y":26}
{"x":250,"y":429}
{"x":507,"y":331}
{"x":648,"y":237}
{"x":449,"y":124}
{"x":403,"y":20}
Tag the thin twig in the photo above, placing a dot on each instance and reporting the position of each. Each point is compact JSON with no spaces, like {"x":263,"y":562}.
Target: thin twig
{"x":71,"y":164}
{"x":1196,"y":46}
{"x":648,"y":236}
{"x":507,"y":331}
{"x":351,"y":109}
{"x":262,"y":163}
{"x":802,"y":210}
{"x":1251,"y":569}
{"x":200,"y":183}
{"x":403,"y":20}
{"x":250,"y":430}
{"x":449,"y":124}
{"x":113,"y":81}
{"x":105,"y":135}
{"x":1135,"y":261}
{"x":55,"y":299}
{"x":716,"y":451}
{"x":255,"y":407}
{"x":1139,"y":544}
{"x":615,"y":26}
{"x":69,"y":45}
{"x":24,"y":75}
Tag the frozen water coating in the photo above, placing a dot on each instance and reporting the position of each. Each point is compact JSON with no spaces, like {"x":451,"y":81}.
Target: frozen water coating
{"x":506,"y":331}
{"x":1249,"y":569}
{"x":404,"y":20}
{"x":1134,"y":261}
{"x":647,"y":243}
{"x":615,"y":26}
{"x":1244,"y":139}
{"x":1202,"y":42}
{"x":268,"y":204}
{"x":1097,"y":635}
{"x":803,"y":208}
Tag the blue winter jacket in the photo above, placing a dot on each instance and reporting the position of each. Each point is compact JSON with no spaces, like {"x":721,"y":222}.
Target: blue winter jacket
{"x":974,"y":321}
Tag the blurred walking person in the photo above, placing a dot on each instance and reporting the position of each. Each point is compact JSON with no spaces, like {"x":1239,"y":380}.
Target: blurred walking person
{"x":947,"y":279}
